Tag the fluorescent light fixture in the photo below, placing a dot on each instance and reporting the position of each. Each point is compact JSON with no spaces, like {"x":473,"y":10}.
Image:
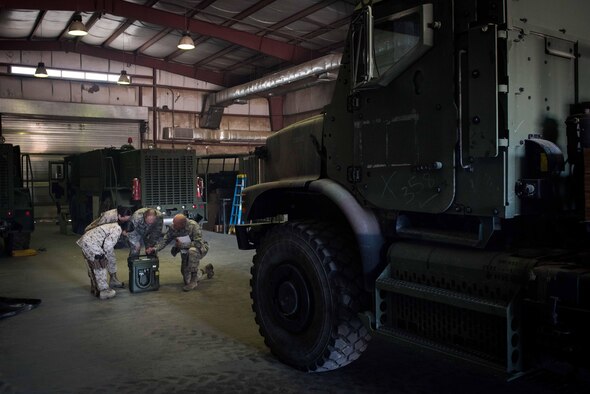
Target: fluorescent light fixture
{"x":186,"y":42}
{"x":63,"y":74}
{"x":22,"y":70}
{"x":97,"y":77}
{"x":77,"y":28}
{"x":41,"y":71}
{"x":124,"y":78}
{"x":73,"y":74}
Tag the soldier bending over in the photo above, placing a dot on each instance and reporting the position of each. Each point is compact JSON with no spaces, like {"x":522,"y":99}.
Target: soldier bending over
{"x":147,"y":229}
{"x":98,"y":246}
{"x":121,"y":215}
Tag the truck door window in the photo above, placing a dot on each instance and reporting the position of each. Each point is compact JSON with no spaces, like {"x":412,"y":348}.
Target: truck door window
{"x":394,"y":39}
{"x":397,"y":41}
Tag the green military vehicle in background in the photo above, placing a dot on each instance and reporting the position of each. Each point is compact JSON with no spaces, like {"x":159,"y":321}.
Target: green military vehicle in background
{"x":16,"y":206}
{"x":442,"y":198}
{"x":86,"y":184}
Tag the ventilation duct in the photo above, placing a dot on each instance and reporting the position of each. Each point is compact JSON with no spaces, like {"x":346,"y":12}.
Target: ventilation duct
{"x":318,"y":69}
{"x":206,"y":135}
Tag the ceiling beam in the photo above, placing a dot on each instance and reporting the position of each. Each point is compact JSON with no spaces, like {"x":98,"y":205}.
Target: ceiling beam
{"x":216,"y":55}
{"x":157,"y":37}
{"x":124,"y":26}
{"x":117,"y":33}
{"x":230,"y":22}
{"x":92,"y":20}
{"x":89,"y":23}
{"x":281,"y":50}
{"x":38,"y":21}
{"x":250,"y":60}
{"x":312,"y":34}
{"x":247,"y":12}
{"x":189,"y":14}
{"x":123,"y":57}
{"x":299,"y":15}
{"x":64,"y":32}
{"x":323,"y":30}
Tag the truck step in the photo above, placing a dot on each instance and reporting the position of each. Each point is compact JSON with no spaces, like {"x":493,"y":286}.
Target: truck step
{"x":403,"y":336}
{"x":454,"y":238}
{"x":442,"y":296}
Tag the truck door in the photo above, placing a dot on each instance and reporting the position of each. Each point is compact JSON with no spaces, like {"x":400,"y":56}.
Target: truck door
{"x":405,"y":117}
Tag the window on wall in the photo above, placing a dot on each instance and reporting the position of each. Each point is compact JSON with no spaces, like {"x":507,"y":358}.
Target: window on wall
{"x":67,"y":74}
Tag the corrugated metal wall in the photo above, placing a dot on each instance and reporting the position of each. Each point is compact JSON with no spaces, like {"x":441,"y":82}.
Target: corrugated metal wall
{"x":50,"y":139}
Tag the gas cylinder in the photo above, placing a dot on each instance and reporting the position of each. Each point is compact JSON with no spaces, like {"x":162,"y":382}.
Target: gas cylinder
{"x":135,"y":189}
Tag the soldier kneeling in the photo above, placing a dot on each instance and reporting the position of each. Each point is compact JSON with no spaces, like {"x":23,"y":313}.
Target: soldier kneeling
{"x":192,"y":248}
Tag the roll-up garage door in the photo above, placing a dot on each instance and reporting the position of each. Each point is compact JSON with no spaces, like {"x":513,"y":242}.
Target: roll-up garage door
{"x":51,"y":138}
{"x":66,"y":136}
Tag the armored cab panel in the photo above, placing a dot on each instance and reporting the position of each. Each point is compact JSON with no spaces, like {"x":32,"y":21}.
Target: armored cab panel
{"x":538,"y":77}
{"x":301,"y":144}
{"x":400,"y":154}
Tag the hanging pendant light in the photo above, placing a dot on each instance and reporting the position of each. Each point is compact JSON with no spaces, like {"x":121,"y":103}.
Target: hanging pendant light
{"x":41,"y":71}
{"x":77,"y":28}
{"x":124,"y":78}
{"x":186,"y":42}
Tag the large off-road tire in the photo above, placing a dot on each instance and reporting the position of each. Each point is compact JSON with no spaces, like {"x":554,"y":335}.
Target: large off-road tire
{"x":6,"y":245}
{"x":307,"y":293}
{"x":21,"y":241}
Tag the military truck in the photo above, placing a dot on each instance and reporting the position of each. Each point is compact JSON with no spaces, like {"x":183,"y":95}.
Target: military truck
{"x":101,"y":179}
{"x":443,"y":196}
{"x":16,"y":202}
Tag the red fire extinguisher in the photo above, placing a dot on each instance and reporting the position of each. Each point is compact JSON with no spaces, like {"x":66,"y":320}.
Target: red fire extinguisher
{"x":199,"y":187}
{"x":135,"y":189}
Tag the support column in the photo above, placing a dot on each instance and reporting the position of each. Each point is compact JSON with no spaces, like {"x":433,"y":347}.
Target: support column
{"x":275,"y":106}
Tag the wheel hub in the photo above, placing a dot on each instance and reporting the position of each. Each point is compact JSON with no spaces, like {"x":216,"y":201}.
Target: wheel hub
{"x":288,"y":299}
{"x":291,"y":298}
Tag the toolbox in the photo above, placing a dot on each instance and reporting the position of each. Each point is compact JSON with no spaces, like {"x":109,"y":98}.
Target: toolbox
{"x":144,"y":274}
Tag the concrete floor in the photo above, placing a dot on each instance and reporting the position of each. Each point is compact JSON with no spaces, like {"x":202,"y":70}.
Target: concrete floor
{"x":202,"y":341}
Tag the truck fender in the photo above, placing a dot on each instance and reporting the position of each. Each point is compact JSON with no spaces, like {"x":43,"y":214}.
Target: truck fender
{"x":363,"y":223}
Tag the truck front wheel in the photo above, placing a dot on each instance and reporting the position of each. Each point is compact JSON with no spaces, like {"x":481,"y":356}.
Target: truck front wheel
{"x":307,"y":293}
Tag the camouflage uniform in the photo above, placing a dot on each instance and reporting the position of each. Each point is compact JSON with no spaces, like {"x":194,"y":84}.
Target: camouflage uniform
{"x":191,"y":252}
{"x":98,"y":249}
{"x":149,"y":235}
{"x":106,"y":217}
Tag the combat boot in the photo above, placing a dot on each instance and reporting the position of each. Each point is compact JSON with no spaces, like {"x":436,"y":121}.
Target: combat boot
{"x":100,"y":274}
{"x":187,"y":278}
{"x":115,"y":282}
{"x":209,"y":271}
{"x":106,"y":294}
{"x":193,"y":282}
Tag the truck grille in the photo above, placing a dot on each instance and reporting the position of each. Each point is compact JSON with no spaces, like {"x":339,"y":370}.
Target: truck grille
{"x":169,"y":179}
{"x":467,"y":330}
